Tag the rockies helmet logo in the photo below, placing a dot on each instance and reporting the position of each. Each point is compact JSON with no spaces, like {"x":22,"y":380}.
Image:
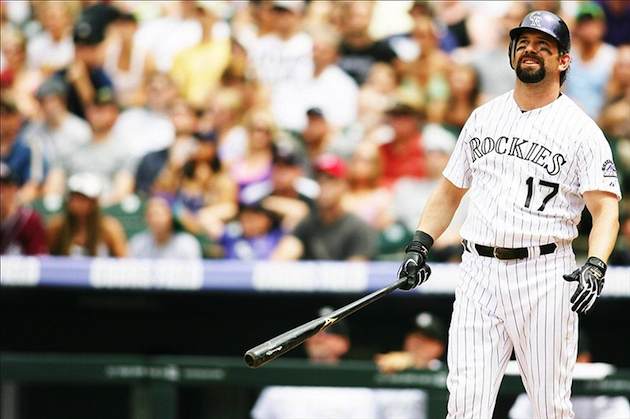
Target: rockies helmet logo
{"x":536,"y":19}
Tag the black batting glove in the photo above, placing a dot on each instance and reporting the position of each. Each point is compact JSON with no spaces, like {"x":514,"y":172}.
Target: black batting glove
{"x":414,"y":267}
{"x":590,"y":279}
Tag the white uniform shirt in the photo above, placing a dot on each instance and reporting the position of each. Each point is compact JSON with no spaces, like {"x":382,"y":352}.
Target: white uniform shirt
{"x":527,"y":171}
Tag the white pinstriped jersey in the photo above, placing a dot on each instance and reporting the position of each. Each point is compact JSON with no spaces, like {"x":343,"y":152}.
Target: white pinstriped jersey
{"x":527,"y":171}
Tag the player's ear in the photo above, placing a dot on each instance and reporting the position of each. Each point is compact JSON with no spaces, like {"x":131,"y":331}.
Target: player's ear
{"x":564,"y":60}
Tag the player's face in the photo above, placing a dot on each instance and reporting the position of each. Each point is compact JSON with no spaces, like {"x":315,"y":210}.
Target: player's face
{"x":535,"y":57}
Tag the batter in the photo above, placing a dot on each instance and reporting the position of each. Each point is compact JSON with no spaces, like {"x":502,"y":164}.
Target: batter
{"x":530,"y":160}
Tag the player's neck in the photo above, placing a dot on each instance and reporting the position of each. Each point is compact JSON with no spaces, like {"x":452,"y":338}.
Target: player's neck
{"x":530,"y":96}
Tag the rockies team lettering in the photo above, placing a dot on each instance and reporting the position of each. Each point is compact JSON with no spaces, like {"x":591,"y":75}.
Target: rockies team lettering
{"x":519,"y":148}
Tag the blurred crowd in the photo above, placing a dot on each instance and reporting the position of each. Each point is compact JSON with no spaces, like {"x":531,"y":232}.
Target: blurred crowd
{"x":264,"y":129}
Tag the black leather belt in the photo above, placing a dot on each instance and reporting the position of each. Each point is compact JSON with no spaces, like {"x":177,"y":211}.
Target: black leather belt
{"x":505,"y":253}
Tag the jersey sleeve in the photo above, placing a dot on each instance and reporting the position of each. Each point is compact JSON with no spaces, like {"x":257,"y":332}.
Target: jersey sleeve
{"x":596,"y":168}
{"x":458,"y":169}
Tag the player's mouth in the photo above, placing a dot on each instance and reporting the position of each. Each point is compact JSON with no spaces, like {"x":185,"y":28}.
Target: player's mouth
{"x":531,"y":60}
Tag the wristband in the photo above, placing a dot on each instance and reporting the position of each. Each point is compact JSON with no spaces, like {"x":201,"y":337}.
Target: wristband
{"x":597,"y":262}
{"x":420,"y":242}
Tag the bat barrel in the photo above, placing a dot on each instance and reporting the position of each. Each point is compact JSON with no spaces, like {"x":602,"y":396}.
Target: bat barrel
{"x":283,"y":343}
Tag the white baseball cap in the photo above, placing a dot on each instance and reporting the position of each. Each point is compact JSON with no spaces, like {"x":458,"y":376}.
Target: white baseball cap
{"x":296,"y":6}
{"x":88,"y":184}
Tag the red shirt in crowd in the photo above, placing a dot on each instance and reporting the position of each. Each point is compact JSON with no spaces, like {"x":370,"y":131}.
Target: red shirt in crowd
{"x":23,"y":233}
{"x":402,"y":159}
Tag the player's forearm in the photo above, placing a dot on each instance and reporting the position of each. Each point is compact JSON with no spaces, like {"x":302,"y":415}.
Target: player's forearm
{"x":603,"y":235}
{"x":440,"y":208}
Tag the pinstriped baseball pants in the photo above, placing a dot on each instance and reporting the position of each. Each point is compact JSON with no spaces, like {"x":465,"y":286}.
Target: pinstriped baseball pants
{"x":515,"y":304}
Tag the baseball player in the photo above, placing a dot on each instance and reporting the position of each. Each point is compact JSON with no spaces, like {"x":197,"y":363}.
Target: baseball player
{"x":530,"y":161}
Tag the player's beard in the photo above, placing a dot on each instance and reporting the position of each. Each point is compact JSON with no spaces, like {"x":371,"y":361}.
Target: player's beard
{"x":530,"y":76}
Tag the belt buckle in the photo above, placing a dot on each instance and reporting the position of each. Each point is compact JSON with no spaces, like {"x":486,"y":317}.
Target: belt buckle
{"x":499,"y":254}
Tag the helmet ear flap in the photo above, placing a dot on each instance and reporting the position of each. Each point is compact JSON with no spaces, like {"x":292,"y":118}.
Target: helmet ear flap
{"x":511,"y":52}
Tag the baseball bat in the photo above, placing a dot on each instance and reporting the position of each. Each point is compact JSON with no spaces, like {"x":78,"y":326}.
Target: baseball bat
{"x":283,"y":343}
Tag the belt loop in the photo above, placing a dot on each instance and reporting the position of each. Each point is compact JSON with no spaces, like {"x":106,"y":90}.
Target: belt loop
{"x":533,"y":252}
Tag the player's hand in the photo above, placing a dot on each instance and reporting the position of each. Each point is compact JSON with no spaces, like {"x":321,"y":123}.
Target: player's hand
{"x":414,"y":267}
{"x":590,"y":279}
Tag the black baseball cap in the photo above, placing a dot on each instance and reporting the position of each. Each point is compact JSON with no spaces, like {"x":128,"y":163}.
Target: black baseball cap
{"x":315,"y":112}
{"x":86,"y":32}
{"x":430,"y":326}
{"x":7,"y":175}
{"x":52,"y":86}
{"x":287,"y":156}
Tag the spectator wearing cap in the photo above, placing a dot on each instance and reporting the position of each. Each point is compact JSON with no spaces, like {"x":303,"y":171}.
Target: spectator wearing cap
{"x":59,"y":132}
{"x":106,"y":155}
{"x":128,"y":64}
{"x":26,"y":160}
{"x":329,"y":232}
{"x":423,"y":347}
{"x":358,"y":51}
{"x":81,"y":229}
{"x":197,"y":70}
{"x":283,"y":63}
{"x":319,"y":137}
{"x":85,"y":75}
{"x":163,"y":239}
{"x":21,"y":229}
{"x":51,"y":49}
{"x":327,"y":347}
{"x":584,"y":407}
{"x":331,"y":89}
{"x":592,"y":60}
{"x":255,"y":233}
{"x":185,"y":121}
{"x":404,"y":155}
{"x":148,"y":128}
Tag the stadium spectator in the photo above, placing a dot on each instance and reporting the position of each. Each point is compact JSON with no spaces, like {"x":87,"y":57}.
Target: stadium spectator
{"x":375,"y":97}
{"x":25,"y":160}
{"x":404,"y":154}
{"x":18,"y":80}
{"x":254,"y":235}
{"x":85,"y":75}
{"x":197,"y":70}
{"x":365,"y":197}
{"x":464,"y":88}
{"x":358,"y":51}
{"x":21,"y":229}
{"x":144,"y":129}
{"x":205,"y":193}
{"x":438,"y":144}
{"x":592,"y":60}
{"x":319,"y":137}
{"x":327,"y":347}
{"x":60,"y":132}
{"x":255,"y":166}
{"x":331,"y":89}
{"x":128,"y":64}
{"x":162,"y":239}
{"x":584,"y":407}
{"x":51,"y":49}
{"x":289,"y":194}
{"x":184,"y":120}
{"x":618,"y":19}
{"x":424,"y":83}
{"x":106,"y":155}
{"x":81,"y":229}
{"x":283,"y":63}
{"x":329,"y":232}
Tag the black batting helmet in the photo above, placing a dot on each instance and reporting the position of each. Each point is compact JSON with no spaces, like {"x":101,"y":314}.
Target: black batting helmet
{"x":545,"y":22}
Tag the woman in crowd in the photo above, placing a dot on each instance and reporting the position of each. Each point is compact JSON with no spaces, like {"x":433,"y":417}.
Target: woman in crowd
{"x":464,"y":97}
{"x":255,"y":165}
{"x":365,"y":197}
{"x":163,"y":239}
{"x":81,"y":230}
